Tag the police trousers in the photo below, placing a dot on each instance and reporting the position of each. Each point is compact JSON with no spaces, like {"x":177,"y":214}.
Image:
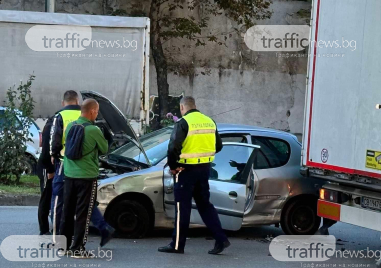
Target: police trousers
{"x":57,"y":196}
{"x":193,"y":182}
{"x":44,"y":204}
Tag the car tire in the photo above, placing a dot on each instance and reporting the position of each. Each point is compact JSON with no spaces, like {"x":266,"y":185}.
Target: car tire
{"x":30,"y":165}
{"x":130,"y":218}
{"x":300,"y":217}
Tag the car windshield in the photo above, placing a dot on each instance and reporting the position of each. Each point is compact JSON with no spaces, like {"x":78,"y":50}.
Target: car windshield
{"x":155,"y":145}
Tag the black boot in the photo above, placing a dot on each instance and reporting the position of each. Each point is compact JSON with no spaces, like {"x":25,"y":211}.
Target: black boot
{"x":218,"y":248}
{"x":170,"y":249}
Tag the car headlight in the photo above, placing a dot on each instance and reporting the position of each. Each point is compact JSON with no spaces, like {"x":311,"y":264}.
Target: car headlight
{"x":168,"y":185}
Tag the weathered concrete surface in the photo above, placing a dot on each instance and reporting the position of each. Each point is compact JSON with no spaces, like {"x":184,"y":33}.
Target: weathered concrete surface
{"x":268,"y":99}
{"x":19,"y":200}
{"x":41,"y":123}
{"x":269,"y":91}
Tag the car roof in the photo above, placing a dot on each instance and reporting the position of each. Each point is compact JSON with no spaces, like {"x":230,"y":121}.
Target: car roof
{"x":236,"y":127}
{"x":2,"y":108}
{"x":222,"y":127}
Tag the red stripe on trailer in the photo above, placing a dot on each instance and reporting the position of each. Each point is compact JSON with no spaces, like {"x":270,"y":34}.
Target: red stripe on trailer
{"x":344,"y":170}
{"x":313,"y":79}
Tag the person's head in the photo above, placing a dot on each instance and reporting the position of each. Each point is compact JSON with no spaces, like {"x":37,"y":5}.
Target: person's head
{"x":90,"y":109}
{"x":186,"y":104}
{"x":70,"y":98}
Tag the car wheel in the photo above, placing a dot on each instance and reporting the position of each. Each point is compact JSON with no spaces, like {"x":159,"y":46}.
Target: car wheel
{"x":300,"y":217}
{"x":130,"y":219}
{"x":29,"y":165}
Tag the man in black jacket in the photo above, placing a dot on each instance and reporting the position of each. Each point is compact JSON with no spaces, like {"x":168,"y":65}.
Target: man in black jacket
{"x":46,"y":173}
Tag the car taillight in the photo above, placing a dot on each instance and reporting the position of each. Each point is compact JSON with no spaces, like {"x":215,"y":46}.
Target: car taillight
{"x":40,"y":139}
{"x":328,"y":195}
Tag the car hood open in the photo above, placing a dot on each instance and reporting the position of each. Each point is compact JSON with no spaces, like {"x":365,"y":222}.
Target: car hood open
{"x":110,"y":115}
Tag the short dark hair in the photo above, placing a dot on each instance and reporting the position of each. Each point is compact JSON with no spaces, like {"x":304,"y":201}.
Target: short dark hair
{"x":88,"y":105}
{"x":70,"y":96}
{"x":188,"y":101}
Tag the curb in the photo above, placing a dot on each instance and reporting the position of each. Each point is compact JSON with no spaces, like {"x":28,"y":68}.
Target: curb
{"x":19,"y":200}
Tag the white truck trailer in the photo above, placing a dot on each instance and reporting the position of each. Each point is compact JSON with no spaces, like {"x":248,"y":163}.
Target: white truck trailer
{"x":342,"y":127}
{"x":106,"y":54}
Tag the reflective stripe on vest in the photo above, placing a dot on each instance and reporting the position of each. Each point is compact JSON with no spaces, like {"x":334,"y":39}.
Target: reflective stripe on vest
{"x":199,"y":146}
{"x":68,"y":116}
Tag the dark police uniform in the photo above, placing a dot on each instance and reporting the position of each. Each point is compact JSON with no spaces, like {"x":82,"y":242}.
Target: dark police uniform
{"x":61,"y":120}
{"x":44,"y":167}
{"x":193,"y":144}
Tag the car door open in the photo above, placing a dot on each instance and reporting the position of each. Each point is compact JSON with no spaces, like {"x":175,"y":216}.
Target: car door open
{"x":228,"y":182}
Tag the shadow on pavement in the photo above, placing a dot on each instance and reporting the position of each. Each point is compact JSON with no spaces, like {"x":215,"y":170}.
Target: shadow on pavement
{"x":247,"y":233}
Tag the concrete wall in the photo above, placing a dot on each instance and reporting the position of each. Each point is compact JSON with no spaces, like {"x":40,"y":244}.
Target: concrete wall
{"x":233,"y":83}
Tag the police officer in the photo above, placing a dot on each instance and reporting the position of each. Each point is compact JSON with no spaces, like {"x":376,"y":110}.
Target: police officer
{"x":47,"y":170}
{"x":193,"y":144}
{"x":68,"y":114}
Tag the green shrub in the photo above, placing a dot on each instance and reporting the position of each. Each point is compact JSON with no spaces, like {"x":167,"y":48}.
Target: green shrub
{"x":17,"y":119}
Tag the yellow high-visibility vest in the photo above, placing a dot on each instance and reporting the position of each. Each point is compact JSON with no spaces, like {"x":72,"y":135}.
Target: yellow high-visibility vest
{"x":68,"y":116}
{"x":199,"y":146}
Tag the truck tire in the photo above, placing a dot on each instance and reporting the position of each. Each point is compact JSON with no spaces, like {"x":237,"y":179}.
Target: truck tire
{"x":130,"y":218}
{"x":300,"y":217}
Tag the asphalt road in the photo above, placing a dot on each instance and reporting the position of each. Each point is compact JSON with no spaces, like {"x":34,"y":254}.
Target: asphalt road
{"x":250,"y":248}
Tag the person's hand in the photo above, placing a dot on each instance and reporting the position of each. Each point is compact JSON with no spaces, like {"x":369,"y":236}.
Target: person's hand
{"x":52,"y":159}
{"x":175,"y":171}
{"x":233,"y":163}
{"x":50,"y":176}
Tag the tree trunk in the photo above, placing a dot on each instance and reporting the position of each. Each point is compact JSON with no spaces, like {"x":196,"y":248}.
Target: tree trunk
{"x":159,"y":60}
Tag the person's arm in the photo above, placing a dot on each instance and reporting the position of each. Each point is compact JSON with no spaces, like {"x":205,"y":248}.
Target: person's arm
{"x":100,"y":140}
{"x":45,"y":150}
{"x":56,"y":133}
{"x":175,"y":145}
{"x":218,"y":141}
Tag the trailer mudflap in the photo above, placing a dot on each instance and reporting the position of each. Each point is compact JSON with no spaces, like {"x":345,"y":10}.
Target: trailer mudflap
{"x":329,"y":210}
{"x":348,"y":214}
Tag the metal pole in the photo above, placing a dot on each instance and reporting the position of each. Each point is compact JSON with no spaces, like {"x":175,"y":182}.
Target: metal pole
{"x":50,"y":6}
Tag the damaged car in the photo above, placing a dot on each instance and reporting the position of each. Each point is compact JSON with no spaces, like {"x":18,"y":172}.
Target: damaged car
{"x":254,"y":180}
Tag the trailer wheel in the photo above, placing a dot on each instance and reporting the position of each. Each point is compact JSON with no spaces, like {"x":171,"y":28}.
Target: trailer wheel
{"x":300,"y":217}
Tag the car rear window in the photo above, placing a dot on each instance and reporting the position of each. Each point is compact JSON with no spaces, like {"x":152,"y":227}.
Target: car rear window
{"x":2,"y":120}
{"x":273,"y":153}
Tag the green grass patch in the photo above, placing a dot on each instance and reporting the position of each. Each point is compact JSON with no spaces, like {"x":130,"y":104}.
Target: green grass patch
{"x":28,"y":185}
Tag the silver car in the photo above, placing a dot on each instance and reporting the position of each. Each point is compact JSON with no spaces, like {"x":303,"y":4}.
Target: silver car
{"x":32,"y":152}
{"x":254,"y":180}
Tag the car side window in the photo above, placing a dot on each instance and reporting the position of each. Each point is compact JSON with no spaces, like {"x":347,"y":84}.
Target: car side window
{"x":261,"y":162}
{"x":273,"y":153}
{"x":229,"y":164}
{"x":234,"y":138}
{"x":2,"y":120}
{"x":18,"y":124}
